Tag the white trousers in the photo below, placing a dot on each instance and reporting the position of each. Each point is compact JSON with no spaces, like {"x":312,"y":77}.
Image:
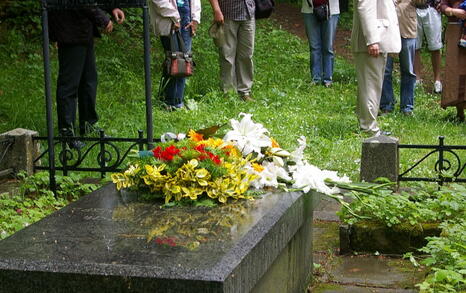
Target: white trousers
{"x":369,"y":72}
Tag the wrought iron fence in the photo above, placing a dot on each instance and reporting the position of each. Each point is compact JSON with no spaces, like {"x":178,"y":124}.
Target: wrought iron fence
{"x":109,"y":156}
{"x":448,"y":164}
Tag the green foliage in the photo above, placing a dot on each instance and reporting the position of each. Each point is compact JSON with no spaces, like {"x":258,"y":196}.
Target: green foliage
{"x":446,"y":254}
{"x":24,"y":15}
{"x":446,"y":260}
{"x":417,"y":206}
{"x":35,"y":201}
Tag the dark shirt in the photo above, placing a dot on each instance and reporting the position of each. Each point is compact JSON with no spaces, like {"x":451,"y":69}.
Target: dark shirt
{"x":237,"y":9}
{"x":76,"y":26}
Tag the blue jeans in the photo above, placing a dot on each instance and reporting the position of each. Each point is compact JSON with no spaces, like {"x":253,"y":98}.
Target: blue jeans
{"x":321,"y":36}
{"x":174,"y":87}
{"x":408,"y":79}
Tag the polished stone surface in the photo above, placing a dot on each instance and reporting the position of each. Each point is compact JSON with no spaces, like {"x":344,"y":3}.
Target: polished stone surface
{"x":103,"y":244}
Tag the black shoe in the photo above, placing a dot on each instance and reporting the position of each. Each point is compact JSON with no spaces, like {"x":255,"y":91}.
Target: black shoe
{"x":72,"y":143}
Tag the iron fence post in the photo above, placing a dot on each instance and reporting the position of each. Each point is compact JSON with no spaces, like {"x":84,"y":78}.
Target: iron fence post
{"x":48,"y":97}
{"x":148,"y":82}
{"x":102,"y":153}
{"x":440,"y":158}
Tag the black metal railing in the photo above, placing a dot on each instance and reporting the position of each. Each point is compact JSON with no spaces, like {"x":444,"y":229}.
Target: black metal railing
{"x":101,"y":142}
{"x":108,"y":155}
{"x":448,"y":164}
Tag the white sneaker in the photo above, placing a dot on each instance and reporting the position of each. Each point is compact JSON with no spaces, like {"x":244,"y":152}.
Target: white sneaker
{"x":418,"y":82}
{"x":437,"y":87}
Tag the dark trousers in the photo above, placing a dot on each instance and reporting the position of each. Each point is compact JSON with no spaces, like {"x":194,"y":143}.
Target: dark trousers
{"x":76,"y":83}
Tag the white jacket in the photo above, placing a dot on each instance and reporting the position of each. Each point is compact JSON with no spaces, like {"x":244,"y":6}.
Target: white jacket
{"x":163,"y":13}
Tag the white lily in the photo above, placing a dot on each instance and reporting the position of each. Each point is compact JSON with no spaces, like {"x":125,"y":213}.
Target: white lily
{"x":269,"y":176}
{"x":248,"y":136}
{"x":279,"y":152}
{"x":307,"y":176}
{"x":298,"y":154}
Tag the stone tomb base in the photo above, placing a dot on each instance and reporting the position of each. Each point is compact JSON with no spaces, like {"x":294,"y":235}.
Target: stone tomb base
{"x":106,"y":243}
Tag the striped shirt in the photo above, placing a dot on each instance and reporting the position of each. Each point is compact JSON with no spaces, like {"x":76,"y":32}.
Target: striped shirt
{"x":237,"y":9}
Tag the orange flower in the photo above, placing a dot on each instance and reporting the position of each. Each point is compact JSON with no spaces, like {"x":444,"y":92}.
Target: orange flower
{"x":274,"y":143}
{"x":194,"y":136}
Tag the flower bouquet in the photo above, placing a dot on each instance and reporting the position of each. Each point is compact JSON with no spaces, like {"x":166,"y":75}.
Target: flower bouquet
{"x":196,"y":168}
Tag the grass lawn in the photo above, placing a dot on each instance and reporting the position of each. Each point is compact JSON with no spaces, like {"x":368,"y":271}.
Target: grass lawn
{"x":285,"y":101}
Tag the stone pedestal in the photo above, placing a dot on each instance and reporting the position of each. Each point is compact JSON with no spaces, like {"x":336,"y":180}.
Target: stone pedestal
{"x":379,"y":158}
{"x":104,"y":244}
{"x":21,"y":152}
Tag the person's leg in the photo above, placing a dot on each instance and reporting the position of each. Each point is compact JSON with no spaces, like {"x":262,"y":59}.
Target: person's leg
{"x":436,"y":59}
{"x":244,"y":52}
{"x":387,"y":100}
{"x":87,"y":91}
{"x":185,"y":14}
{"x":71,"y":61}
{"x":408,"y":78}
{"x":168,"y":83}
{"x":433,"y":32}
{"x":227,"y":56}
{"x":329,"y":29}
{"x":420,"y":14}
{"x":314,"y":36}
{"x":369,"y":72}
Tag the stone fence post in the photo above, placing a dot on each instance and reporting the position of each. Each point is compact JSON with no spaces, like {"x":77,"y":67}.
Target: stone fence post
{"x":18,"y":151}
{"x":379,"y":158}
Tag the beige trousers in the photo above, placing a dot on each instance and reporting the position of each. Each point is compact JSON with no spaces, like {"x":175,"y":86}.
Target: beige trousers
{"x":236,"y":66}
{"x":369,"y":73}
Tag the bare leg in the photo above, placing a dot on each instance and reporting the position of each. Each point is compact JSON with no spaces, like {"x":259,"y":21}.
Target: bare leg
{"x":417,"y":64}
{"x":436,"y":61}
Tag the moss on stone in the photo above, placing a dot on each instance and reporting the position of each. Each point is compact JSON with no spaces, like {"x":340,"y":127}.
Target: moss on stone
{"x":323,"y":287}
{"x":372,"y":236}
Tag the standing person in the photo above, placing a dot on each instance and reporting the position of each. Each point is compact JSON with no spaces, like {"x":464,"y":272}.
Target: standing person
{"x":455,"y":76}
{"x":429,"y":24}
{"x":74,"y":31}
{"x":375,"y":34}
{"x":321,"y":36}
{"x":168,"y":16}
{"x":407,"y":19}
{"x":236,"y":66}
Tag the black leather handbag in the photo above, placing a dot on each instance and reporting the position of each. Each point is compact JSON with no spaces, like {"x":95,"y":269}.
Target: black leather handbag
{"x":264,"y":8}
{"x":178,"y":63}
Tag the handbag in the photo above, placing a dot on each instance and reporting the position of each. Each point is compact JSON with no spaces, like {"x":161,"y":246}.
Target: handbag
{"x":178,"y":63}
{"x":321,"y":11}
{"x":264,"y":8}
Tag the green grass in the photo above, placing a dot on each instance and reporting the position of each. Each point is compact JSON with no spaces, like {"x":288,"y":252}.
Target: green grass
{"x":285,"y":101}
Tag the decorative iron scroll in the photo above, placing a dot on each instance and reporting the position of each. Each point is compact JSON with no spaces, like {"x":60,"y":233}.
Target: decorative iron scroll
{"x":448,"y":165}
{"x":109,"y":156}
{"x":94,"y":3}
